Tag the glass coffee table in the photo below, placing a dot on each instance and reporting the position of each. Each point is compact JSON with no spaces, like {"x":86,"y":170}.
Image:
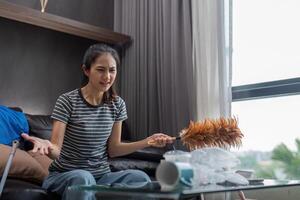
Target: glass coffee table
{"x":153,"y":191}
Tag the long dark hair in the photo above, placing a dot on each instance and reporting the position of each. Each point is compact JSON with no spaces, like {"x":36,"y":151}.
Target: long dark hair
{"x":90,"y":55}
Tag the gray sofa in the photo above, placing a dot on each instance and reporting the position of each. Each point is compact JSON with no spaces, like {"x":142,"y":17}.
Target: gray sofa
{"x":40,"y":126}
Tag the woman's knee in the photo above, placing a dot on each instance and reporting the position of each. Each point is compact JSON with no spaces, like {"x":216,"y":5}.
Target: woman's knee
{"x":59,"y":182}
{"x":81,"y":177}
{"x":138,"y":176}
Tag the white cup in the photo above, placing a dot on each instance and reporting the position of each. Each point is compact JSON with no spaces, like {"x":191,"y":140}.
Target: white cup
{"x":174,"y":175}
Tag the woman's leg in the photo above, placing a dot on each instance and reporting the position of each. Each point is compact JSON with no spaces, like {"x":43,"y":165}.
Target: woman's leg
{"x":126,"y":178}
{"x":59,"y":182}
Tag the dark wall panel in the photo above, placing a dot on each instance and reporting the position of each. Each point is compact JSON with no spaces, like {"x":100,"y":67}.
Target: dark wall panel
{"x":95,"y":12}
{"x":37,"y":65}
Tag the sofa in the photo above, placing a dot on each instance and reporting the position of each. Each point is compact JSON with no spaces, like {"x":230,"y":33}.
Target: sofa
{"x":29,"y":169}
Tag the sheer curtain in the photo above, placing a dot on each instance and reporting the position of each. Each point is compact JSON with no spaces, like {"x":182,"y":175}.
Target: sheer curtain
{"x":156,"y":78}
{"x":212,"y":69}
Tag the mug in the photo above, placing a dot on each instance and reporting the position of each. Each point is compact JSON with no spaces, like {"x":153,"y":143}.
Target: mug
{"x":174,"y":175}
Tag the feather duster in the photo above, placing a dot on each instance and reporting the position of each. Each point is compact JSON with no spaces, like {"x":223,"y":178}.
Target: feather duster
{"x":222,"y":132}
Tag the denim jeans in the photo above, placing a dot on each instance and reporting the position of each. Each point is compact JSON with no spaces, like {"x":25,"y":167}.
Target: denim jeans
{"x":58,"y":182}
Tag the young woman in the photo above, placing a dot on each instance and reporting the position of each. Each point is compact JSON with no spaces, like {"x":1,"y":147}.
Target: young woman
{"x":87,"y":129}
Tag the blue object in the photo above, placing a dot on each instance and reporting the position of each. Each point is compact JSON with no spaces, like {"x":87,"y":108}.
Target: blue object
{"x":12,"y":124}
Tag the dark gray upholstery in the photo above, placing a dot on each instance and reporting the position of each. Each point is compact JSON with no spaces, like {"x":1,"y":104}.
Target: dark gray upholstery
{"x":40,"y":126}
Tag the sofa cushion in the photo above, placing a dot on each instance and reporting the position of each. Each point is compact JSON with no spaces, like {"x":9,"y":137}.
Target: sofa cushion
{"x":40,"y":125}
{"x":23,"y":165}
{"x":148,"y":154}
{"x":19,"y":189}
{"x":117,"y":164}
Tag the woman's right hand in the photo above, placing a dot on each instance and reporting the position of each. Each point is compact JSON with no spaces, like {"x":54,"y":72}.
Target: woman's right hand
{"x":160,"y":140}
{"x":43,"y":146}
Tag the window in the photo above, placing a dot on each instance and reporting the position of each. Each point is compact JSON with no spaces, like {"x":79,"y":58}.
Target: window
{"x":266,"y":74}
{"x":268,"y":122}
{"x":266,"y":40}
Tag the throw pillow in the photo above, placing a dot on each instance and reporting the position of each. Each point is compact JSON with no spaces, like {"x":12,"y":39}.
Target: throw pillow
{"x":23,"y":165}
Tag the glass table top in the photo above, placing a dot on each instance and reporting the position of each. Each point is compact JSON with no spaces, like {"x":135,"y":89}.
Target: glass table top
{"x":153,"y":191}
{"x":263,"y":184}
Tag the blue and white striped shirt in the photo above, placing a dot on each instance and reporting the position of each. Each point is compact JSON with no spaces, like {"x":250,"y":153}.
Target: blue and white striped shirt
{"x":88,"y":129}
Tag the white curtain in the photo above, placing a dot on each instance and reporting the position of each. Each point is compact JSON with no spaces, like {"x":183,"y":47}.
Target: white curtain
{"x":212,"y":70}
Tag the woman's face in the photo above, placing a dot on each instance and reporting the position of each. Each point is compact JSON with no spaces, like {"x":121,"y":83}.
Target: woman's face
{"x":102,"y":73}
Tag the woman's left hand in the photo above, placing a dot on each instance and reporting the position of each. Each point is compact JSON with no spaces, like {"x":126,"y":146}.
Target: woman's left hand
{"x":159,"y":140}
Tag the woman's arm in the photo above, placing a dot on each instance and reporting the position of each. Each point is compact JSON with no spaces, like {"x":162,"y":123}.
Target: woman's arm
{"x":118,"y":148}
{"x":57,"y":138}
{"x":45,"y":147}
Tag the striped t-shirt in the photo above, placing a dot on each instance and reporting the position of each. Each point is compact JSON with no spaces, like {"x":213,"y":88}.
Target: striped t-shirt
{"x":88,"y":129}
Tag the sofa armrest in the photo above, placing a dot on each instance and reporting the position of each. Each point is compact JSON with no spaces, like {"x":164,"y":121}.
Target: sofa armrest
{"x":118,"y":164}
{"x":147,"y":154}
{"x":146,"y":160}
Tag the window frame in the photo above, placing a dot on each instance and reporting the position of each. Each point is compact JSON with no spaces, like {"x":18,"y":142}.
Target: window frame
{"x":269,"y":89}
